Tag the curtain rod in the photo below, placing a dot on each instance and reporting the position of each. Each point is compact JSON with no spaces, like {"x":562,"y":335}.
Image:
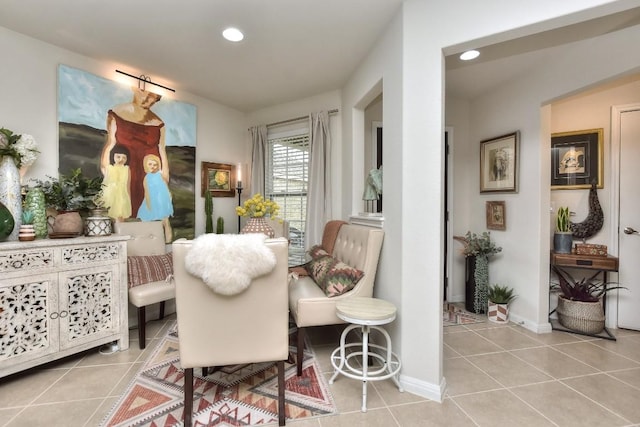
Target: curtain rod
{"x":284,"y":122}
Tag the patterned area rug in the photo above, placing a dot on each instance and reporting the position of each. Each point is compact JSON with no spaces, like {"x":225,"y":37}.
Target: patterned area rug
{"x":239,"y":395}
{"x":453,"y":315}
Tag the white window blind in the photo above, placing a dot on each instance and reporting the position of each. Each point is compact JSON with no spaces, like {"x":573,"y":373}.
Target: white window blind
{"x":286,"y":182}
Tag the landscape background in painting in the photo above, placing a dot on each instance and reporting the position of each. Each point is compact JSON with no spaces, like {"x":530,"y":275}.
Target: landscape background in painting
{"x":83,"y":102}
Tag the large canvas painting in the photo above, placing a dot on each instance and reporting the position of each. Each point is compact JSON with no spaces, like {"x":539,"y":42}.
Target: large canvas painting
{"x":142,"y":145}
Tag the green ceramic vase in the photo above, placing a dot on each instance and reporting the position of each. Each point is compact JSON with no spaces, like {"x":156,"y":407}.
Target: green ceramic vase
{"x":6,"y":222}
{"x":35,"y":203}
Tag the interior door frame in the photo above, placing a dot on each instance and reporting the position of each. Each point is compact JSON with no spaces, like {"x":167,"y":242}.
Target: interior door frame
{"x":448,"y":223}
{"x":614,"y":243}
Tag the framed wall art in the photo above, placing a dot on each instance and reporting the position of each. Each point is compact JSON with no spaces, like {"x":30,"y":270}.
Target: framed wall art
{"x":499,"y":164}
{"x":218,"y":178}
{"x":496,"y":215}
{"x":577,"y":159}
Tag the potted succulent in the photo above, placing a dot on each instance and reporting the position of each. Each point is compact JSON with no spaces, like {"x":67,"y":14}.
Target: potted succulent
{"x":499,"y":298}
{"x":563,"y":237}
{"x":27,"y":232}
{"x":477,"y":250}
{"x":580,"y":302}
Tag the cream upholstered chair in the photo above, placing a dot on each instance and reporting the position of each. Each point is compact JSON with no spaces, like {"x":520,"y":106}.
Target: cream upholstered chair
{"x":357,"y":246}
{"x":219,"y":330}
{"x":147,"y":239}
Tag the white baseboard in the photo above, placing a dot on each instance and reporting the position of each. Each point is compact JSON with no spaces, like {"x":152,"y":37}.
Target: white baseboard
{"x":424,"y":389}
{"x":538,"y":328}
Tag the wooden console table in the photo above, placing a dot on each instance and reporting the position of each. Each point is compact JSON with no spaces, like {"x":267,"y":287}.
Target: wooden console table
{"x":59,"y":297}
{"x":602,"y":264}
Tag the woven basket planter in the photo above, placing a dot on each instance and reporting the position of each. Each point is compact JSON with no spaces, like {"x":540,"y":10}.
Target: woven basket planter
{"x":585,"y":317}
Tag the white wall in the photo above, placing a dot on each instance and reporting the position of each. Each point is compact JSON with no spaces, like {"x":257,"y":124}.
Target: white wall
{"x":28,"y":104}
{"x":409,"y":60}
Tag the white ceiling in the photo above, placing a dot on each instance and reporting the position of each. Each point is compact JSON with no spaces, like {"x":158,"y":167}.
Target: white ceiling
{"x":292,"y":48}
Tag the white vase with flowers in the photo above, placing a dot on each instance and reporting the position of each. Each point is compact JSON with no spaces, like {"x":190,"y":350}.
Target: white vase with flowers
{"x":257,"y":209}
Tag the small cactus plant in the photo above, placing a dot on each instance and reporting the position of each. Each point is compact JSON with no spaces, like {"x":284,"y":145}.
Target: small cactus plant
{"x":27,"y":217}
{"x":220,"y":225}
{"x":208,"y":210}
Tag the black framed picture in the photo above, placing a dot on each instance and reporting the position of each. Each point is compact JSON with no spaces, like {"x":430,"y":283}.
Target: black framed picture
{"x":499,"y":164}
{"x":577,"y":159}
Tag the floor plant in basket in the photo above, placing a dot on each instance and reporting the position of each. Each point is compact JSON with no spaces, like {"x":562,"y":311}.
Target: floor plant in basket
{"x":580,"y":301}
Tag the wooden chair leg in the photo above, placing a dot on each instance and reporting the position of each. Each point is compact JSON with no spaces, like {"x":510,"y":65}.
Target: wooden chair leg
{"x":161,"y":310}
{"x":188,"y":396}
{"x":281,"y":414}
{"x":300,"y":345}
{"x":142,"y":321}
{"x":205,"y":371}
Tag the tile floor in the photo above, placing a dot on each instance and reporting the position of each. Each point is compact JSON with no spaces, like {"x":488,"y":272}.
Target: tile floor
{"x":496,"y":375}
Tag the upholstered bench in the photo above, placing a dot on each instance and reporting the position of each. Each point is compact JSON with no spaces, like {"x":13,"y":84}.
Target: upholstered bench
{"x":356,"y":246}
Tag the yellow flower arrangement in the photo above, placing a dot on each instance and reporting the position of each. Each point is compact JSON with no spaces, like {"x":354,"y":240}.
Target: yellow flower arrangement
{"x":258,"y":207}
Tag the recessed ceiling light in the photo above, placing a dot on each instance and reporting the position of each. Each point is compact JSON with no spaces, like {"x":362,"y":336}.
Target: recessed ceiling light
{"x":233,"y":34}
{"x":469,"y":55}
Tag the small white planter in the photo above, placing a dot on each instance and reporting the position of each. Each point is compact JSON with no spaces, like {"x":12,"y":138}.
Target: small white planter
{"x":498,"y":313}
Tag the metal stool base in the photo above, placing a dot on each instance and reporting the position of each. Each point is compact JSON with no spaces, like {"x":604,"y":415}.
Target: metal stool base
{"x":390,"y":361}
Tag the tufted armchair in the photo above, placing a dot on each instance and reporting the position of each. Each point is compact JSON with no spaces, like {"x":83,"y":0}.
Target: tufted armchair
{"x":355,"y":245}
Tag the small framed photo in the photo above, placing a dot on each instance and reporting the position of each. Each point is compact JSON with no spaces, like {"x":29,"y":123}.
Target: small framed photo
{"x":496,"y":215}
{"x":576,"y":159}
{"x":499,"y":164}
{"x":218,"y":178}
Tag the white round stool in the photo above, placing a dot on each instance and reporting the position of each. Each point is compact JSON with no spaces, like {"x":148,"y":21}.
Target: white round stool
{"x":367,"y":314}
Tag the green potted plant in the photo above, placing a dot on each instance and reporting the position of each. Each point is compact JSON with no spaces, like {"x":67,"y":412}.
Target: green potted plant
{"x":71,"y":192}
{"x":477,"y":250}
{"x":580,"y":302}
{"x":70,"y":195}
{"x":563,"y":237}
{"x":499,"y":298}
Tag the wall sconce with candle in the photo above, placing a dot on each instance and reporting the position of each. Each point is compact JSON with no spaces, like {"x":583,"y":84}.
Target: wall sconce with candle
{"x":239,"y":188}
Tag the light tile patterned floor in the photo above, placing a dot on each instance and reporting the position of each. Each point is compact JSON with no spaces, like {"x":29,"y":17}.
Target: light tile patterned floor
{"x":496,"y":375}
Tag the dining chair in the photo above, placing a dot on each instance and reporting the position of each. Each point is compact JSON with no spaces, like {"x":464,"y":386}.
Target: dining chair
{"x":218,"y":330}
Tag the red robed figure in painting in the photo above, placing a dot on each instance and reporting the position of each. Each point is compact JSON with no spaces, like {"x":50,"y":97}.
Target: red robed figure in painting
{"x":134,"y":126}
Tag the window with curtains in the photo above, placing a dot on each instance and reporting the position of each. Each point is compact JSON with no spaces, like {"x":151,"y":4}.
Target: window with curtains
{"x":286,"y":179}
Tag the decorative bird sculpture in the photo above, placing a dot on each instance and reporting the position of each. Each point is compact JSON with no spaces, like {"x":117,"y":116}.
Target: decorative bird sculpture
{"x":594,"y":220}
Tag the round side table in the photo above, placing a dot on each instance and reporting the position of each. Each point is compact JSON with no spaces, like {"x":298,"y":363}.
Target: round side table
{"x":367,"y":314}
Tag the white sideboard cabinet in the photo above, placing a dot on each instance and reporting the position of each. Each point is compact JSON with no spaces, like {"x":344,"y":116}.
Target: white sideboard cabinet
{"x":59,"y":297}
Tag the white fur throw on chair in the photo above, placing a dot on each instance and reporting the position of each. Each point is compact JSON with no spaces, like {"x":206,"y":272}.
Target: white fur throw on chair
{"x":228,"y":262}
